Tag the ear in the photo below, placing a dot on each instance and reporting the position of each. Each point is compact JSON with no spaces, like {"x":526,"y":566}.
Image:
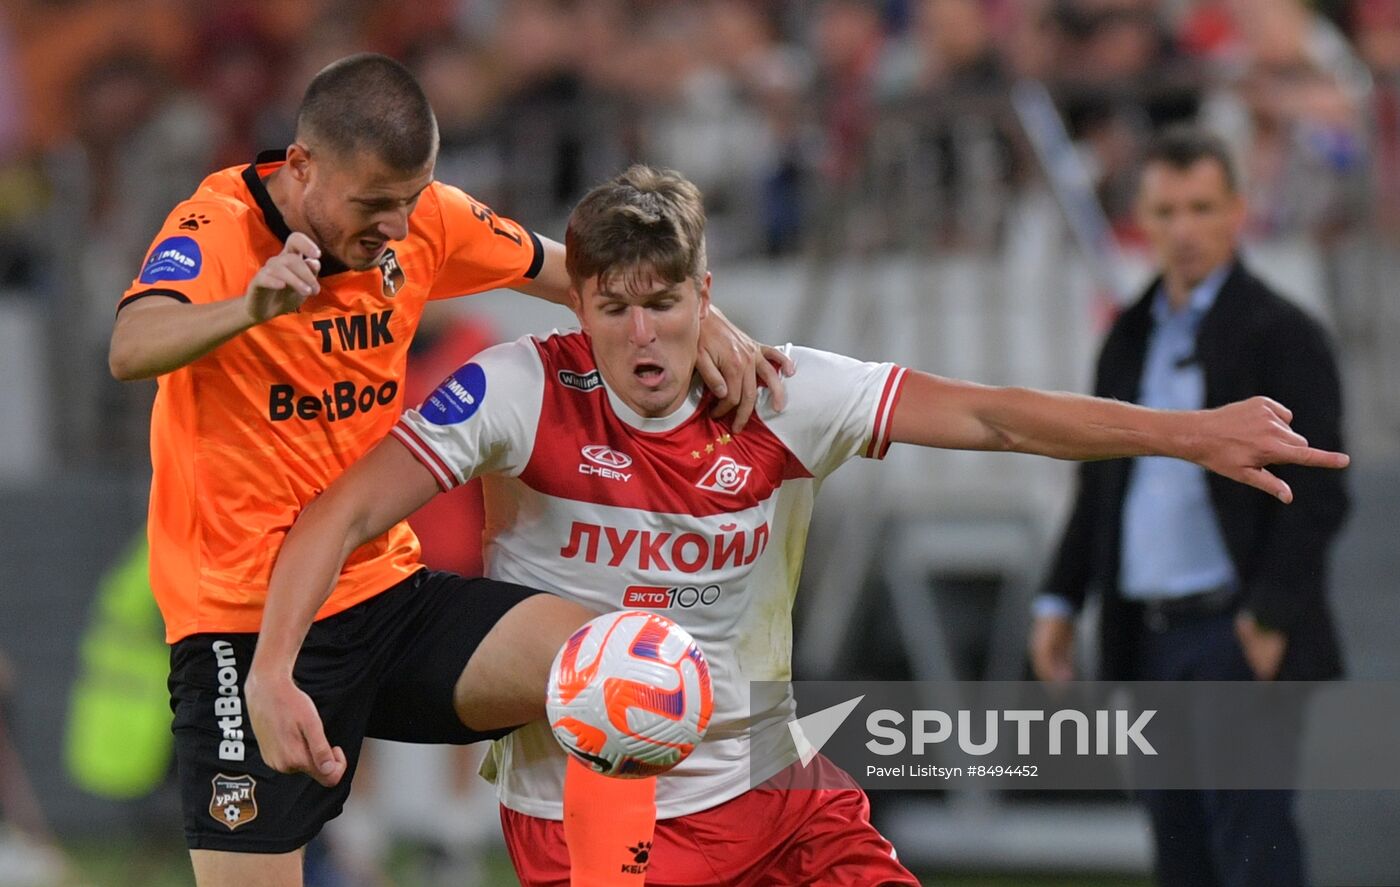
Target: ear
{"x":705,"y":295}
{"x":299,"y":161}
{"x":576,"y":305}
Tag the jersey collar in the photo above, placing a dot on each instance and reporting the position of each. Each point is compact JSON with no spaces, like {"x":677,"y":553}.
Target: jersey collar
{"x":678,"y":417}
{"x":271,"y":214}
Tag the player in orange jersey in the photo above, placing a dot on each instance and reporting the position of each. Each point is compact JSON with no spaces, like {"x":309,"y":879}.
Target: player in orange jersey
{"x":276,"y":307}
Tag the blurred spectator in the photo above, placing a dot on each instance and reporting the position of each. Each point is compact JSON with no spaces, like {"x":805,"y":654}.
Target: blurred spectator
{"x":959,"y":92}
{"x":59,"y":41}
{"x":139,"y":144}
{"x":729,"y":120}
{"x":561,"y":131}
{"x":848,"y":42}
{"x":1117,"y":77}
{"x":1376,"y":24}
{"x":237,"y":75}
{"x":1291,"y":116}
{"x":465,"y":91}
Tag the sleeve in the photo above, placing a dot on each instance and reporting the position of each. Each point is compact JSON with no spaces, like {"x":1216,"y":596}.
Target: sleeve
{"x":838,"y":408}
{"x":480,"y":250}
{"x":189,"y":260}
{"x":481,"y":419}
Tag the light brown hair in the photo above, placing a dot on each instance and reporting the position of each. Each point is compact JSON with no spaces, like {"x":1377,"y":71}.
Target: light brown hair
{"x":644,"y":221}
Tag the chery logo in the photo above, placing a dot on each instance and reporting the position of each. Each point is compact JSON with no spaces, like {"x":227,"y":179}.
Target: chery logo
{"x":606,"y":456}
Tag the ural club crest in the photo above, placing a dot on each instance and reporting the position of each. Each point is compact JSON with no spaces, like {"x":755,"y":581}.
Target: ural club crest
{"x":233,"y":802}
{"x":393,"y":274}
{"x":725,"y":476}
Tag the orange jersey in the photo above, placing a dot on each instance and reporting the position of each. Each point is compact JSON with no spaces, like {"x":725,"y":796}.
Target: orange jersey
{"x":243,"y":438}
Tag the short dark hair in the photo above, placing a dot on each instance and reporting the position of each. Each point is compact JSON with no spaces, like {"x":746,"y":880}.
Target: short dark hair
{"x":1182,"y":146}
{"x":644,"y":220}
{"x":369,"y":102}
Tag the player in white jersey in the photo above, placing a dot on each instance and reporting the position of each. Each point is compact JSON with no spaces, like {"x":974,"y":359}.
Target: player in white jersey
{"x":607,"y":482}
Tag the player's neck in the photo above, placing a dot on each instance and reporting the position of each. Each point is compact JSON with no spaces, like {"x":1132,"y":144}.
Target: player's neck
{"x":285,"y":191}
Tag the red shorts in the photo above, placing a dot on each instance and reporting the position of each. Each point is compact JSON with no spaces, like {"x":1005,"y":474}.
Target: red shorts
{"x":771,"y":836}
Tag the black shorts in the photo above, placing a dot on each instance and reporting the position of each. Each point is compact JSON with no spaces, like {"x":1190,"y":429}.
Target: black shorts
{"x":384,"y":668}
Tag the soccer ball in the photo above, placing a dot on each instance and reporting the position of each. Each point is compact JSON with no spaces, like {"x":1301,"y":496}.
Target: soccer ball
{"x":629,"y":694}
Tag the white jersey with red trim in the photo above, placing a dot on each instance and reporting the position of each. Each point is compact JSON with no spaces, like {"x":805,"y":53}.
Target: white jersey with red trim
{"x":587,"y":499}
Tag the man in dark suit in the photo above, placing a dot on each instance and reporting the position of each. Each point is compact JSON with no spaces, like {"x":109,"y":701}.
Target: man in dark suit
{"x":1202,"y":579}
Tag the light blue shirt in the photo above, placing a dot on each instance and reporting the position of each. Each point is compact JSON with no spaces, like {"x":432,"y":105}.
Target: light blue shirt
{"x":1172,"y":545}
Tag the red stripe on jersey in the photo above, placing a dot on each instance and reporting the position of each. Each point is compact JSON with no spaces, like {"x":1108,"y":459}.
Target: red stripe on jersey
{"x":444,"y":476}
{"x":584,"y":452}
{"x":894,"y":405}
{"x":882,"y":413}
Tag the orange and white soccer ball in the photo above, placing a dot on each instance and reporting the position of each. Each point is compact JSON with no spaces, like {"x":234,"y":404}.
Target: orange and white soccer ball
{"x":629,"y":694}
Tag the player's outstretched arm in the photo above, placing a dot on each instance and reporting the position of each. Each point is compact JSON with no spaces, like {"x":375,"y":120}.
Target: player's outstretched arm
{"x":380,"y":490}
{"x":159,"y":335}
{"x":1238,"y":440}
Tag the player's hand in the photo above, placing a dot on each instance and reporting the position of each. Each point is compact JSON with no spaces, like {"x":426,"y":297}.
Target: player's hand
{"x":1052,"y":649}
{"x":1240,"y":439}
{"x":731,"y":364}
{"x":288,"y":729}
{"x":1263,"y":647}
{"x":287,"y":280}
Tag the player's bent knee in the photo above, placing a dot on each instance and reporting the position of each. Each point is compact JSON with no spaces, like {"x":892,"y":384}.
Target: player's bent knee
{"x":503,"y":684}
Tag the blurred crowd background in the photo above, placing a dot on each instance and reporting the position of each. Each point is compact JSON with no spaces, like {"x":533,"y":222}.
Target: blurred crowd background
{"x":863,"y":162}
{"x":884,"y":124}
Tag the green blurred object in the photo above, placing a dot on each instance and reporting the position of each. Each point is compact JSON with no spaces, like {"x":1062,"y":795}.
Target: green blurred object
{"x":119,"y":744}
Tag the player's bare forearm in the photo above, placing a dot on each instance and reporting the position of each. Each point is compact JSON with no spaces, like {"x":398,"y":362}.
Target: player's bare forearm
{"x":951,"y":414}
{"x":1237,"y":440}
{"x":552,"y":282}
{"x":158,"y":335}
{"x":373,"y":495}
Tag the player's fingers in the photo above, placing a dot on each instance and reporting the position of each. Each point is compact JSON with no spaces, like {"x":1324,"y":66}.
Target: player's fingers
{"x":785,"y":363}
{"x":1263,"y":480}
{"x":298,"y":244}
{"x":337,"y":771}
{"x":293,"y":274}
{"x":733,"y":372}
{"x":1278,"y":409}
{"x":747,"y":400}
{"x":773,"y":378}
{"x":710,"y":374}
{"x":323,"y":760}
{"x":1315,"y":458}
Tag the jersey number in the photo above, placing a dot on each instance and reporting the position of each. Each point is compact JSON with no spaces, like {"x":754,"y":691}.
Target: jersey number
{"x":487,"y":215}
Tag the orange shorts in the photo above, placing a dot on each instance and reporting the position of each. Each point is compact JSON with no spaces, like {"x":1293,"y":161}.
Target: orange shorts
{"x":771,"y":836}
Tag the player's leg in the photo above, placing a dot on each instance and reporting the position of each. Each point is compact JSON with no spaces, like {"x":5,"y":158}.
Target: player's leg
{"x":834,"y":844}
{"x":605,"y":819}
{"x":475,"y":665}
{"x":245,"y":823}
{"x":503,"y":683}
{"x":215,"y":868}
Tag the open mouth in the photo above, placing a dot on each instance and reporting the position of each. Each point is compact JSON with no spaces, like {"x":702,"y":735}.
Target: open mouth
{"x":371,"y":246}
{"x":649,"y":373}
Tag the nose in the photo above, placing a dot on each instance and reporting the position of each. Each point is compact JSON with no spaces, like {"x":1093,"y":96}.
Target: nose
{"x":640,"y":326}
{"x":395,"y":225}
